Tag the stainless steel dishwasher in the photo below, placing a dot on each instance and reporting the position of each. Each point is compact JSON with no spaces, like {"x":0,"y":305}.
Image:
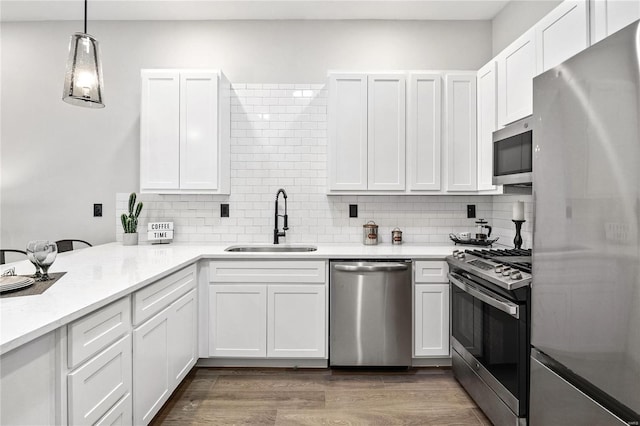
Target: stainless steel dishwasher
{"x":370,"y":313}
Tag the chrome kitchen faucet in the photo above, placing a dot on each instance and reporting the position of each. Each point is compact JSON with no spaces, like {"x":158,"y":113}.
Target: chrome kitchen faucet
{"x":276,"y":233}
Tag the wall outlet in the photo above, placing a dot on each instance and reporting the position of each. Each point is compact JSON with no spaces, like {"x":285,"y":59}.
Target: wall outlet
{"x":353,"y":210}
{"x":471,"y":211}
{"x":224,"y":210}
{"x":97,"y":210}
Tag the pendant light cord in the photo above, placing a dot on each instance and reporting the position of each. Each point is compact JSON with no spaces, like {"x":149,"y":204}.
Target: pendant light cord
{"x":85,"y":16}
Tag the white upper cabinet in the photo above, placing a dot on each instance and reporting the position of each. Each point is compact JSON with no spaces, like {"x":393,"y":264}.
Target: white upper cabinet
{"x":487,"y":123}
{"x":609,"y":16}
{"x":198,"y":129}
{"x":460,"y":101}
{"x":424,"y":124}
{"x":184,"y":132}
{"x":366,"y":132}
{"x":516,"y":69}
{"x":561,"y":34}
{"x":348,"y":132}
{"x":160,"y":130}
{"x":386,"y":132}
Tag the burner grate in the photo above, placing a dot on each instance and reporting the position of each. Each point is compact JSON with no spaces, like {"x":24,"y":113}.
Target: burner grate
{"x":491,"y":253}
{"x":502,"y":255}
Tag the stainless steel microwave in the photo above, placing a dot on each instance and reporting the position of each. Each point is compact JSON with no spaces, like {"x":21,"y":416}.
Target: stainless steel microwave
{"x":513,"y":154}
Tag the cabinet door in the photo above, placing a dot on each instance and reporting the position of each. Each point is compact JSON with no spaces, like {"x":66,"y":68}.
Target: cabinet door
{"x":431,"y":316}
{"x":516,"y":68}
{"x":183,"y":335}
{"x":159,"y":130}
{"x":296,"y":321}
{"x":424,"y":137}
{"x":460,"y":100}
{"x":100,"y":383}
{"x":347,"y":132}
{"x":151,"y":380}
{"x":237,"y":320}
{"x":386,"y":133}
{"x":487,"y":120}
{"x":29,"y":392}
{"x":609,"y":16}
{"x":199,"y":130}
{"x":561,"y":34}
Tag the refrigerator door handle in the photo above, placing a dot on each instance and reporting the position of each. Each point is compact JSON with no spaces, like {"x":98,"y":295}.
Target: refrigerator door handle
{"x":505,"y":306}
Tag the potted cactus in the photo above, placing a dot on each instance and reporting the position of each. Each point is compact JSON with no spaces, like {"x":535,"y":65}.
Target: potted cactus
{"x":130,"y":222}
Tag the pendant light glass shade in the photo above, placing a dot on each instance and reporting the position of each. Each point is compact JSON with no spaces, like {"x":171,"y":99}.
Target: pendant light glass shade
{"x":83,"y":83}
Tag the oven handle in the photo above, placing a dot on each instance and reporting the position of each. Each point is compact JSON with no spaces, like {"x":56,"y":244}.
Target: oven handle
{"x":509,"y":308}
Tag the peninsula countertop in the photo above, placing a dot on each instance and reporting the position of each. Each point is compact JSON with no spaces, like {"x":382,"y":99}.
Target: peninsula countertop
{"x":99,"y":275}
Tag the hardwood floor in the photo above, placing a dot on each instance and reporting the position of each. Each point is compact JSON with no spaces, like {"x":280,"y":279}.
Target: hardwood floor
{"x":428,"y":396}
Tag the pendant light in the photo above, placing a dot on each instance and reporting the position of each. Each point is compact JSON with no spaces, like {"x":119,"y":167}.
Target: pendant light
{"x":83,"y":85}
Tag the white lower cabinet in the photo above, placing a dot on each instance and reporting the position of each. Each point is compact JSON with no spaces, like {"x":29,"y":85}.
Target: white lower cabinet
{"x":164,"y":351}
{"x":431,"y":309}
{"x":151,"y":380}
{"x":100,"y":383}
{"x":238,"y":315}
{"x":268,"y":309}
{"x":28,"y":391}
{"x":296,"y":321}
{"x":431,"y":320}
{"x":183,"y":336}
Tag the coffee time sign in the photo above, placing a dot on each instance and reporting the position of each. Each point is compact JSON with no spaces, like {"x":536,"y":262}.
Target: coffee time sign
{"x":157,"y":231}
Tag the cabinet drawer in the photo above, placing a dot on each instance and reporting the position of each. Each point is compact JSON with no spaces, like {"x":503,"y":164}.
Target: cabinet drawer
{"x":157,"y":296}
{"x":267,"y":272}
{"x":94,"y":332}
{"x":99,"y":384}
{"x":431,"y":271}
{"x":119,"y":415}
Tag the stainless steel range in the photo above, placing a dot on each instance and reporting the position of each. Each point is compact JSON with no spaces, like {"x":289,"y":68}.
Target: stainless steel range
{"x":490,"y":329}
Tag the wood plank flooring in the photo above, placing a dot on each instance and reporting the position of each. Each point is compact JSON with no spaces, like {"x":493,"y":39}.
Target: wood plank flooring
{"x":248,"y":396}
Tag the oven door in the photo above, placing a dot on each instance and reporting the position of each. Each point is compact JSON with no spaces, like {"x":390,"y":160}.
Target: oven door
{"x":490,"y":333}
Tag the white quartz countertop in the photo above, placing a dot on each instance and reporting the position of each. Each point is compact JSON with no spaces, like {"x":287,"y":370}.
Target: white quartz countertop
{"x":99,"y":275}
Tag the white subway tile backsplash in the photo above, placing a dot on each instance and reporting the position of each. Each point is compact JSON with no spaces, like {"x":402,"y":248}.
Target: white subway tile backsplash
{"x":279,"y":140}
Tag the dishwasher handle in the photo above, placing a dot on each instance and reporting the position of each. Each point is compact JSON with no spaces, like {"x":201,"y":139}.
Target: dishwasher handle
{"x":381,"y":267}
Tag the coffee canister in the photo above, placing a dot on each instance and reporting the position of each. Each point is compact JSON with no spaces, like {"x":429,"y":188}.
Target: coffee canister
{"x":370,"y":233}
{"x":396,"y":236}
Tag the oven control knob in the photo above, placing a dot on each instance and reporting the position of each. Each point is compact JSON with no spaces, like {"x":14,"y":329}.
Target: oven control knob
{"x":516,"y":275}
{"x":461,"y":255}
{"x":506,"y":271}
{"x":455,"y":253}
{"x":498,"y":269}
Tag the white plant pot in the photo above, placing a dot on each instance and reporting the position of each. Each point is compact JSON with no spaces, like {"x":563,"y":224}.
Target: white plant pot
{"x":130,"y":239}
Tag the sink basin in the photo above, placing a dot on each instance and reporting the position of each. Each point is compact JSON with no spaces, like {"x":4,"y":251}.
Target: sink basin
{"x":283,"y":248}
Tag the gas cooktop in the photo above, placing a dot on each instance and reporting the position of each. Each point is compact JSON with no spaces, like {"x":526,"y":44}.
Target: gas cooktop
{"x":507,"y":268}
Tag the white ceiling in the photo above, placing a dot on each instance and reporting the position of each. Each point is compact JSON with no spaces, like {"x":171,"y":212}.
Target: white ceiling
{"x":46,"y":10}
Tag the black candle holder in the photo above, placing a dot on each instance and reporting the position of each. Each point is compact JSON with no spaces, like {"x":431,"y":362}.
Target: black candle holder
{"x":517,"y":241}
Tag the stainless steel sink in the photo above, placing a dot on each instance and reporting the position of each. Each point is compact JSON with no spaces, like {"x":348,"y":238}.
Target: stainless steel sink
{"x":283,"y":248}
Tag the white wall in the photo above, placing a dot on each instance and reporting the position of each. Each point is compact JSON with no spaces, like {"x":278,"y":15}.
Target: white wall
{"x":516,"y":18}
{"x":57,"y":160}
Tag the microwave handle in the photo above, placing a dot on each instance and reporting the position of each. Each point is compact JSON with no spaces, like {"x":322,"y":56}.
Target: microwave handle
{"x":509,"y":308}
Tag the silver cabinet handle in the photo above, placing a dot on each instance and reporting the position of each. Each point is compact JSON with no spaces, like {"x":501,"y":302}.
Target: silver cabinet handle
{"x":507,"y":307}
{"x":382,"y":267}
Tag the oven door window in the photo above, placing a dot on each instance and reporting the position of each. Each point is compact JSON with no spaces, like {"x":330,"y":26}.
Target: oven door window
{"x":490,"y":335}
{"x":513,"y":155}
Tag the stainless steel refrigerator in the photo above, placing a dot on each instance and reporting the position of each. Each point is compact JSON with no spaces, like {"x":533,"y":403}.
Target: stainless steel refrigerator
{"x":585,"y":357}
